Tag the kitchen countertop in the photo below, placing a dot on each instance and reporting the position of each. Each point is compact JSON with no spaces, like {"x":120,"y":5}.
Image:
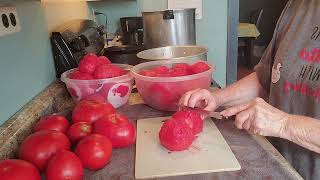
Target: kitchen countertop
{"x":258,"y":158}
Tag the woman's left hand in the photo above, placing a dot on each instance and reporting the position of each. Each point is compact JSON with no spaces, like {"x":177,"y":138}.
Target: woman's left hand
{"x":258,"y":117}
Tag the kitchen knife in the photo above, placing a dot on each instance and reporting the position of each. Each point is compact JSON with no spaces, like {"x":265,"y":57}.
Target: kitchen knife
{"x":204,"y":113}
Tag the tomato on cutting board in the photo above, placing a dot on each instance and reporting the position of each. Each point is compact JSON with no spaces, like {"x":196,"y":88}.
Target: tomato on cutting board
{"x":40,"y":146}
{"x":64,"y":165}
{"x":52,"y":122}
{"x":192,"y":118}
{"x":176,"y":135}
{"x":16,"y":169}
{"x":117,"y":128}
{"x":94,"y":151}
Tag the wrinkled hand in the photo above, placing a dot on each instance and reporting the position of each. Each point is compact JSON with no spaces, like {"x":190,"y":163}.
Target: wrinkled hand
{"x":258,"y":117}
{"x":200,"y":98}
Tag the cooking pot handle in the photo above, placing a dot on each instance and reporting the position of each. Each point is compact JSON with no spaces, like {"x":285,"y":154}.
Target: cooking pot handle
{"x":168,"y":14}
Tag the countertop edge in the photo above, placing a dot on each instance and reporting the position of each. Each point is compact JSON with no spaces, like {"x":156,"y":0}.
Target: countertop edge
{"x":265,"y":144}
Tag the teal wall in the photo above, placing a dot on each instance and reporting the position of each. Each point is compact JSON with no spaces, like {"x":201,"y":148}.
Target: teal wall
{"x":152,"y":5}
{"x":211,"y":30}
{"x":114,"y":10}
{"x":26,"y":65}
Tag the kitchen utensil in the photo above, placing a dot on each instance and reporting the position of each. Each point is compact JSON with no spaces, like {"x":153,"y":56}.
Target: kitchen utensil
{"x":163,"y":93}
{"x":204,"y":113}
{"x":124,"y":54}
{"x":115,"y":90}
{"x":174,"y":53}
{"x":209,"y":152}
{"x":169,"y":27}
{"x":132,"y":31}
{"x":72,"y":40}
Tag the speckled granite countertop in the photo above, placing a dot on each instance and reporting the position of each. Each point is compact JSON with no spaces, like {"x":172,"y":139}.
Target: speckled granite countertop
{"x":53,"y":99}
{"x":258,"y":158}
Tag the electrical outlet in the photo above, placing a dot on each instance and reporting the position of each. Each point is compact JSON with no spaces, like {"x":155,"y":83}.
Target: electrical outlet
{"x":9,"y":21}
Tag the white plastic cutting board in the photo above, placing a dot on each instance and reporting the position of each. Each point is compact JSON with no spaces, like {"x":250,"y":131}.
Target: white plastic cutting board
{"x":208,"y":153}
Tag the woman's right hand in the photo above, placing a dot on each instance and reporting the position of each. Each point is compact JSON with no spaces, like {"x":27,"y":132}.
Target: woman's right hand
{"x":200,"y":98}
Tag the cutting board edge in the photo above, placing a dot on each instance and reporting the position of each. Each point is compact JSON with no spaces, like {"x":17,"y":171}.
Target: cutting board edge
{"x":183,"y":174}
{"x":237,"y":167}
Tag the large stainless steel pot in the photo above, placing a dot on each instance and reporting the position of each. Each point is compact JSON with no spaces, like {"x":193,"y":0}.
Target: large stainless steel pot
{"x":169,"y":27}
{"x":174,"y":52}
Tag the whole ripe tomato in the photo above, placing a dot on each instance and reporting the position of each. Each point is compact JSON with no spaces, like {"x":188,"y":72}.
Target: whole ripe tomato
{"x":94,"y":151}
{"x":16,"y":169}
{"x":90,"y":111}
{"x":53,"y":122}
{"x":79,"y":130}
{"x":117,"y":128}
{"x":39,"y":147}
{"x":64,"y":165}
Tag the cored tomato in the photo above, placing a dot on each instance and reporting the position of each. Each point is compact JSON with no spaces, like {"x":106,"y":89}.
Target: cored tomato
{"x":90,"y":111}
{"x":53,"y":122}
{"x":117,"y":128}
{"x":64,"y":165}
{"x":39,"y":147}
{"x":176,"y":135}
{"x":79,"y":130}
{"x":16,"y":169}
{"x":192,"y":118}
{"x":94,"y":151}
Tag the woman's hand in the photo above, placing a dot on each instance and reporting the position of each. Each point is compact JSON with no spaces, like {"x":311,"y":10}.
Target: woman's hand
{"x":200,"y":98}
{"x":258,"y":117}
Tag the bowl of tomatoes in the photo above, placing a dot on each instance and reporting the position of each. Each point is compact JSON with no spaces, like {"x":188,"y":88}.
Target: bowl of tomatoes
{"x":162,"y":83}
{"x":97,"y":77}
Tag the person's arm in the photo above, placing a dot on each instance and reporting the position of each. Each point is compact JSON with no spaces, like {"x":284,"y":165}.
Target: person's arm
{"x":303,"y":131}
{"x":259,"y":117}
{"x":240,"y":92}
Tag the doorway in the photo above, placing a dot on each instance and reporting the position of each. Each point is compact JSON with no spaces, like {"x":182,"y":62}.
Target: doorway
{"x":257,"y":21}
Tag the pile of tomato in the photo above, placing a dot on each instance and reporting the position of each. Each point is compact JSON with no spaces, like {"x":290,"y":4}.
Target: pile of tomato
{"x":61,"y":149}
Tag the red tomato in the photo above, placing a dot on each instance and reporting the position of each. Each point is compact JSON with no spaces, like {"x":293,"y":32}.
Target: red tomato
{"x":148,"y":73}
{"x":90,"y":111}
{"x":102,"y":60}
{"x":94,"y":151}
{"x":163,"y":96}
{"x":107,"y":71}
{"x":161,"y":70}
{"x":15,"y":169}
{"x":192,"y":118}
{"x":80,"y":75}
{"x":78,"y":131}
{"x":182,"y":67}
{"x":53,"y":122}
{"x":117,"y":128}
{"x":95,"y":97}
{"x":199,"y":67}
{"x":64,"y":165}
{"x":88,"y":63}
{"x":176,"y":135}
{"x":39,"y":147}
